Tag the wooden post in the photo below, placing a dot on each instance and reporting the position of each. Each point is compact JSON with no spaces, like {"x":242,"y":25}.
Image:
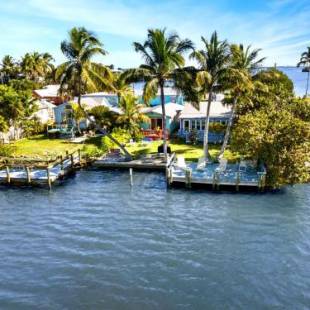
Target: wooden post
{"x":263,"y":181}
{"x":28,"y":174}
{"x":72,"y":161}
{"x":67,"y":154}
{"x":79,"y":154}
{"x":61,"y":164}
{"x":214,"y":180}
{"x":169,"y":176}
{"x":8,"y":177}
{"x":131,"y":176}
{"x":237,"y":181}
{"x":188,"y":177}
{"x":49,"y":183}
{"x":218,"y":181}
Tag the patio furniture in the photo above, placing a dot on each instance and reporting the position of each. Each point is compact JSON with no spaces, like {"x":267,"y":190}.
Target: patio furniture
{"x":181,"y":162}
{"x":222,"y":166}
{"x":201,"y":165}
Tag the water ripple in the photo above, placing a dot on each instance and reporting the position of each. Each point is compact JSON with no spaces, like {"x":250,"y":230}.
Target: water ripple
{"x":97,"y":243}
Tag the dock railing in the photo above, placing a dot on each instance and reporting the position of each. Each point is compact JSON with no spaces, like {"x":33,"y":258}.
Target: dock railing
{"x":31,"y":166}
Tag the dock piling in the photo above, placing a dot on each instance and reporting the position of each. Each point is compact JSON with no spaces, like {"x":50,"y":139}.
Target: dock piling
{"x":72,"y":161}
{"x":49,"y":178}
{"x":28,"y":175}
{"x":8,"y":177}
{"x":131,"y":176}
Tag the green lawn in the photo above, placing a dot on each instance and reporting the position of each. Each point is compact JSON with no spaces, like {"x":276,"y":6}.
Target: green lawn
{"x":190,"y":152}
{"x":42,"y":147}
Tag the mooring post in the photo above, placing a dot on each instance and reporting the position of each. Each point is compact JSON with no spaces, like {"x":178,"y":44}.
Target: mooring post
{"x":28,"y":175}
{"x":237,"y":181}
{"x":72,"y":161}
{"x":131,"y":176}
{"x":79,"y":154}
{"x":61,"y":164}
{"x":188,"y":178}
{"x":8,"y":177}
{"x":49,"y":178}
{"x":169,"y":176}
{"x":214,"y":181}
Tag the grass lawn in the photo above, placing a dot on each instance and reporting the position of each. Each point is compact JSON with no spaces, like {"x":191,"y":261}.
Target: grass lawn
{"x":190,"y":152}
{"x":40,"y":146}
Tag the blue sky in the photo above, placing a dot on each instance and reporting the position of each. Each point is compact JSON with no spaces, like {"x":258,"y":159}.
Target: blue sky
{"x":280,"y":27}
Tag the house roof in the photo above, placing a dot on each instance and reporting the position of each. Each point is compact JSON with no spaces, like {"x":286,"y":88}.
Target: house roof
{"x":217,"y":110}
{"x":44,"y":104}
{"x":48,"y":91}
{"x":100,"y":94}
{"x":92,"y":100}
{"x":171,"y":109}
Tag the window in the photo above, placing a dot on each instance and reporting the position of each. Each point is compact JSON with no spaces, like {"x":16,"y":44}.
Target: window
{"x":193,"y":124}
{"x":186,"y":125}
{"x":198,"y":125}
{"x":203,"y":125}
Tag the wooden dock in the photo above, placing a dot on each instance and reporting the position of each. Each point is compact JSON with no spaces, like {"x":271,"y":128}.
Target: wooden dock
{"x":210,"y":177}
{"x":29,"y":172}
{"x":149,"y":162}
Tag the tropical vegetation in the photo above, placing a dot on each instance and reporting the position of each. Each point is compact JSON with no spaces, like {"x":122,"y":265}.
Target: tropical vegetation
{"x":268,"y":122}
{"x":212,"y":62}
{"x":162,"y":54}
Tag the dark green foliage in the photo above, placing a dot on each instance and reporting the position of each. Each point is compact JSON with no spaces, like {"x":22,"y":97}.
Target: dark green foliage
{"x":274,"y":128}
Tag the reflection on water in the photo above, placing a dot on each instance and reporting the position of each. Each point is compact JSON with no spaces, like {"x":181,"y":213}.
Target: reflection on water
{"x":97,"y":243}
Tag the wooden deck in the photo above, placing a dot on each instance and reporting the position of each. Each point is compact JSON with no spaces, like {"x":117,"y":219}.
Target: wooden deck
{"x":210,"y":176}
{"x":152,"y":162}
{"x":27,"y":172}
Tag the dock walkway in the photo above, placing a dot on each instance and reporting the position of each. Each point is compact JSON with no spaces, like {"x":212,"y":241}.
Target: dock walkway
{"x":26,"y":172}
{"x":232,"y":176}
{"x":150,"y":162}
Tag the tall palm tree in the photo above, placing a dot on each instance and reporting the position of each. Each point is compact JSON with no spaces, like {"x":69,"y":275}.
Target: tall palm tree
{"x":79,"y":73}
{"x":305,"y":62}
{"x":213,"y":61}
{"x":238,"y":79}
{"x":162,"y":54}
{"x":131,"y":117}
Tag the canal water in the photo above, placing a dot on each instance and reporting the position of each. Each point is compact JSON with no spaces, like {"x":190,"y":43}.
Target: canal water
{"x":97,"y":243}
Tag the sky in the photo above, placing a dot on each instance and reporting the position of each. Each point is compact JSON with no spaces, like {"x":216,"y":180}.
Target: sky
{"x":281,"y":28}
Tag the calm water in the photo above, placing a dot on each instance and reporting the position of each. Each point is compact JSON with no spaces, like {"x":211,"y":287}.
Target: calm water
{"x":95,"y":243}
{"x":298,"y":77}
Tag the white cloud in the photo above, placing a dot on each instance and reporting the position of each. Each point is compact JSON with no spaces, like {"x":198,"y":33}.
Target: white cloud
{"x":281,"y":35}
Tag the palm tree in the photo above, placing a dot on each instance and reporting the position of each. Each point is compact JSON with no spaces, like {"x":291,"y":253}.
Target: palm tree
{"x":78,"y":115}
{"x":9,"y":68}
{"x":305,"y":62}
{"x":35,"y":65}
{"x":238,"y":79}
{"x":79,"y":73}
{"x":120,"y":85}
{"x":131,"y":117}
{"x":213,"y":61}
{"x":162,"y":54}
